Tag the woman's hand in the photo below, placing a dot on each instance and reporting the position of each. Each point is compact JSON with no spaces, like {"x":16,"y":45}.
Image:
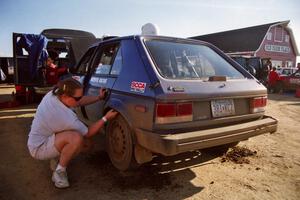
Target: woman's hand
{"x":111,"y":114}
{"x":102,"y":93}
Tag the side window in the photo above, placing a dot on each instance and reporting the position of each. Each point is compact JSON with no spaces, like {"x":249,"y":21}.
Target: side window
{"x":105,"y":59}
{"x":117,"y":66}
{"x":85,"y":61}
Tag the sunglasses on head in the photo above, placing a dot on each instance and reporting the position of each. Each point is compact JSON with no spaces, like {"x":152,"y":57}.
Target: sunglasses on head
{"x":76,"y":98}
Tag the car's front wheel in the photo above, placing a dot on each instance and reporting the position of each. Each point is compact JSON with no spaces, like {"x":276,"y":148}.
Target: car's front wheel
{"x":119,"y":144}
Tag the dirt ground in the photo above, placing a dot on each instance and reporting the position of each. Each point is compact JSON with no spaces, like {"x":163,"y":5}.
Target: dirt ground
{"x":271,"y":172}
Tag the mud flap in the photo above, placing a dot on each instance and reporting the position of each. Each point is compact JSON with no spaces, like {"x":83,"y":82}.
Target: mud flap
{"x":141,"y":154}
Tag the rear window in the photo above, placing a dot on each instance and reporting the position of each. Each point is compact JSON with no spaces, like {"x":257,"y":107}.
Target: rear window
{"x":189,"y":61}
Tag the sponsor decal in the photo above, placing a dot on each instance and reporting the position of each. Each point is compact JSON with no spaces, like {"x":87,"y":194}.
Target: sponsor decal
{"x":102,"y":80}
{"x":137,"y":86}
{"x":94,"y":80}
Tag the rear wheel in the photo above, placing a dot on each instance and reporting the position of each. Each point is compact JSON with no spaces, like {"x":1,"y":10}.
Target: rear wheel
{"x":119,"y":144}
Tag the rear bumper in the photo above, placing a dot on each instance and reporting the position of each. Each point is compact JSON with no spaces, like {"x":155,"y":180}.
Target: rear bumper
{"x":171,"y":144}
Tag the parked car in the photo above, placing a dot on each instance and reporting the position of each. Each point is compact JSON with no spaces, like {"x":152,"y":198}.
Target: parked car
{"x":30,"y":52}
{"x":286,"y":71}
{"x":173,"y":95}
{"x":289,"y":82}
{"x":245,"y":62}
{"x":256,"y":66}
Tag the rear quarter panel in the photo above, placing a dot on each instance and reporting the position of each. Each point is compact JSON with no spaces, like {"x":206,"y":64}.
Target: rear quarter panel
{"x":126,"y":96}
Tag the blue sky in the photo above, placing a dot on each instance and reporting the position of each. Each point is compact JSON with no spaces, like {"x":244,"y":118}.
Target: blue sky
{"x":180,"y":18}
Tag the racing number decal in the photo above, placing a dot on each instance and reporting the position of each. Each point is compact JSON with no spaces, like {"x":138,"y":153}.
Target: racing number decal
{"x":137,"y":87}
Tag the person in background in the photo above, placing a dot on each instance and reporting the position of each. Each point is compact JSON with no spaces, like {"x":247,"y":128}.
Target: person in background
{"x":272,"y":82}
{"x":53,"y":71}
{"x":264,"y":72}
{"x":56,"y":131}
{"x":52,"y":57}
{"x":298,"y":67}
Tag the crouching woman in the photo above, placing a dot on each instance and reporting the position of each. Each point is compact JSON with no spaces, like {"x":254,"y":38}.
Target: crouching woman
{"x":56,"y":131}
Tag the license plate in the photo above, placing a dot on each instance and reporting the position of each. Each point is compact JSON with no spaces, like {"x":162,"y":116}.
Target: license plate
{"x":221,"y":108}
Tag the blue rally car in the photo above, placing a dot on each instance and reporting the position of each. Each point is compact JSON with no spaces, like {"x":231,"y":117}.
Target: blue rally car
{"x":173,"y":95}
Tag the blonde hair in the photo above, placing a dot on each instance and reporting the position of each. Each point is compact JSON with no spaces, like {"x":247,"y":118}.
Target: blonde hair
{"x":67,"y":87}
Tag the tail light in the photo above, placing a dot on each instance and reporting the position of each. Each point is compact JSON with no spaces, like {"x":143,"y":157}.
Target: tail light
{"x":258,"y":104}
{"x":19,"y":88}
{"x":165,"y":110}
{"x":173,"y":112}
{"x":184,"y":109}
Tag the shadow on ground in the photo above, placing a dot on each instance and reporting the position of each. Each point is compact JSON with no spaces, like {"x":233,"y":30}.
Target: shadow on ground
{"x":92,"y":176}
{"x":163,"y":178}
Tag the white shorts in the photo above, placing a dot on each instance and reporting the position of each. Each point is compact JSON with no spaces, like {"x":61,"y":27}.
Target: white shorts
{"x":46,"y":151}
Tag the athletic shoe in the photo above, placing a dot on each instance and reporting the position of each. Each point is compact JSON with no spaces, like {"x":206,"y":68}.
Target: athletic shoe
{"x":60,"y":179}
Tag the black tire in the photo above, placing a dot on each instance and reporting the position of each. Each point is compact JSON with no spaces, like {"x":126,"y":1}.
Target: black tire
{"x":119,"y":144}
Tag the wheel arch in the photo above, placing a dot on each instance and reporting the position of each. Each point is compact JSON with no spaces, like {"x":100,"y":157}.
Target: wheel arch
{"x":120,"y":107}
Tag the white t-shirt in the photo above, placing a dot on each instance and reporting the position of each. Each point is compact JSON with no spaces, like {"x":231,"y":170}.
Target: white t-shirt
{"x":52,"y":116}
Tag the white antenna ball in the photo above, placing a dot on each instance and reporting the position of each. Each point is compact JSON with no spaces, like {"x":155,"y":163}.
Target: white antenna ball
{"x":150,"y":29}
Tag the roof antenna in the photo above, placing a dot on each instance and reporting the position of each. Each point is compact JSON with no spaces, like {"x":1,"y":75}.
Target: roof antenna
{"x":150,"y":29}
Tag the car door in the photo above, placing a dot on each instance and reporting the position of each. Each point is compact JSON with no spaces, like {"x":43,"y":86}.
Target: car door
{"x":81,"y":74}
{"x":106,"y":66}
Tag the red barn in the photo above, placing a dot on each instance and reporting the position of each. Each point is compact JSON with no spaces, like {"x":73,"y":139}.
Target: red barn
{"x":274,"y":40}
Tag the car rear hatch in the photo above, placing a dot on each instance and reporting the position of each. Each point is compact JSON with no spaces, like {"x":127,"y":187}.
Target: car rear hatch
{"x":202,"y":104}
{"x":201,"y":87}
